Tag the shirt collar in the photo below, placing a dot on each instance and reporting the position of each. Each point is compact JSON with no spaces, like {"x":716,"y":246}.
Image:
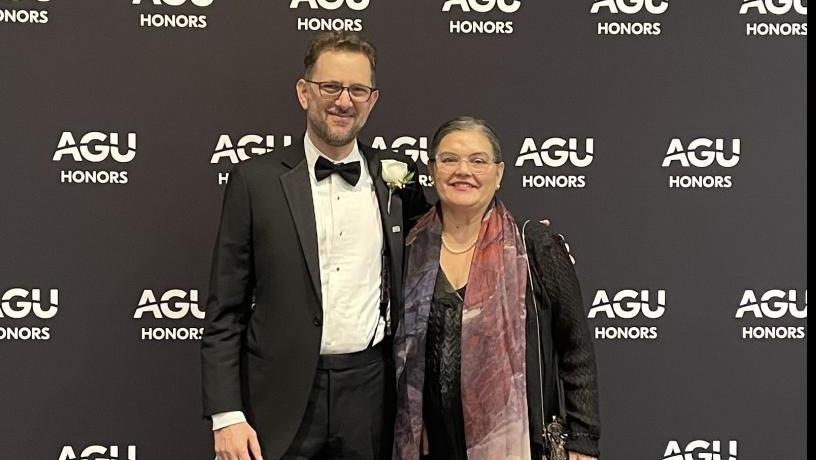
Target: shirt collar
{"x":313,"y":153}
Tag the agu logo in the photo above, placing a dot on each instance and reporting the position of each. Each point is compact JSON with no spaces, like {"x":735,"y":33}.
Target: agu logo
{"x":333,"y":23}
{"x":630,"y":7}
{"x":98,"y":453}
{"x":556,"y":152}
{"x":701,"y":450}
{"x":702,"y":153}
{"x":776,"y":305}
{"x":481,"y":8}
{"x":228,"y":150}
{"x":414,"y":147}
{"x":24,"y":16}
{"x":175,"y":2}
{"x":787,"y":8}
{"x":195,"y":20}
{"x":626,"y":305}
{"x":22,"y":304}
{"x":173,"y":304}
{"x":95,"y":147}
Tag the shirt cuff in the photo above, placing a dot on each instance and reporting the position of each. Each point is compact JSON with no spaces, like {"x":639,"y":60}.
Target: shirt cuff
{"x":223,"y":419}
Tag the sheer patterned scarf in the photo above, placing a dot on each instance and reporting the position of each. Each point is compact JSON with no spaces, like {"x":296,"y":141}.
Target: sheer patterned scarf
{"x":494,"y":397}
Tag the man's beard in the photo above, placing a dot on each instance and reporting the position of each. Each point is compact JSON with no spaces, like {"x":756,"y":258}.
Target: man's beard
{"x":321,"y":128}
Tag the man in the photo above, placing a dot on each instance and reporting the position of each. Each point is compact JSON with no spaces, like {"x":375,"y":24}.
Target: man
{"x":306,"y":280}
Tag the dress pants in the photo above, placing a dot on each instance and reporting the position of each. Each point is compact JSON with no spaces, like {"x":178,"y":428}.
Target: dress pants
{"x":349,"y":414}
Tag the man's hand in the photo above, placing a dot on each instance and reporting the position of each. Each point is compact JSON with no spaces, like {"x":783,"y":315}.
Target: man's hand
{"x":577,"y":456}
{"x":236,"y":442}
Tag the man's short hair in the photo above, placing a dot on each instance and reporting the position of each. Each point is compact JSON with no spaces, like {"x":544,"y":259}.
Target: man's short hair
{"x":339,"y":41}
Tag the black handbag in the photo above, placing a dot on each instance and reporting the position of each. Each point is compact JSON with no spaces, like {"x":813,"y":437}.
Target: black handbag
{"x":554,"y":432}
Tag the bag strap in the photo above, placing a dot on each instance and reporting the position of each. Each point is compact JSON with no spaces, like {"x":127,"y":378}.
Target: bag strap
{"x":547,"y":292}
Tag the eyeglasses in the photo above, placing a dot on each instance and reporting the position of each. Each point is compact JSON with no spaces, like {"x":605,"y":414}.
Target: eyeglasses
{"x":333,"y":90}
{"x":449,"y":163}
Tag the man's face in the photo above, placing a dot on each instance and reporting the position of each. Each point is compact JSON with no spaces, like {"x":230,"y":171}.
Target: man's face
{"x":337,"y":120}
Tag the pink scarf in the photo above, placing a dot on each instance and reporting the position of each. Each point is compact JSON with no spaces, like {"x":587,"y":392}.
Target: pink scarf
{"x":494,"y":397}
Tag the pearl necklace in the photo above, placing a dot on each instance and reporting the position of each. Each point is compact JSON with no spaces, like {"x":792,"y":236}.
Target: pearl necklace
{"x":461,"y":251}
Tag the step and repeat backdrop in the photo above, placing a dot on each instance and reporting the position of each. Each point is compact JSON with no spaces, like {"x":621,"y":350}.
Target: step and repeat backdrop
{"x":666,"y":139}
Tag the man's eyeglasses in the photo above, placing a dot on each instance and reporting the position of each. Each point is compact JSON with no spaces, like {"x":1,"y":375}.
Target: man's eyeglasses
{"x":448,"y":163}
{"x":333,"y":90}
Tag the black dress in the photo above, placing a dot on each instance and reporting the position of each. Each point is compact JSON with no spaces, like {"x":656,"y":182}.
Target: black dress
{"x":559,"y":320}
{"x":442,"y":395}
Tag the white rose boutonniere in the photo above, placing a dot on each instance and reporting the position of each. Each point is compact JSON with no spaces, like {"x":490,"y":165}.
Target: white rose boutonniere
{"x":396,"y":176}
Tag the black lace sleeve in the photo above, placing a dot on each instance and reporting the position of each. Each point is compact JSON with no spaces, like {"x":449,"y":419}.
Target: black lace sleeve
{"x":572,"y":340}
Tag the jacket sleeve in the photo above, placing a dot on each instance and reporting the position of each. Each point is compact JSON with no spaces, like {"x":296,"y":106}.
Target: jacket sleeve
{"x":572,"y":340}
{"x":229,"y":300}
{"x":573,"y":344}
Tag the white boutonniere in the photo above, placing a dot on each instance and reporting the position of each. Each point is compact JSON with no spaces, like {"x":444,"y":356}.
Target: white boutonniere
{"x":396,"y":176}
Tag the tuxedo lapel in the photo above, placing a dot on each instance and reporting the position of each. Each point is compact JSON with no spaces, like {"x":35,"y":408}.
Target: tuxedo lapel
{"x":298,"y":191}
{"x":392,"y":224}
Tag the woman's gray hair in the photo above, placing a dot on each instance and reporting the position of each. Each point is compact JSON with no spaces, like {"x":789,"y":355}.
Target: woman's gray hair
{"x":467,"y":124}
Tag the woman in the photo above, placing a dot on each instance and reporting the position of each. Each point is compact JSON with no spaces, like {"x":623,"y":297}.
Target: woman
{"x":486,"y":329}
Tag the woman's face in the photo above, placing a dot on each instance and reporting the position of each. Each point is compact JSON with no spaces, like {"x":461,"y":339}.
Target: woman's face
{"x":464,"y":172}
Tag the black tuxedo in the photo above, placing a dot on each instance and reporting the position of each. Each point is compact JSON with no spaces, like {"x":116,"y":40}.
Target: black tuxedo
{"x":262,"y":358}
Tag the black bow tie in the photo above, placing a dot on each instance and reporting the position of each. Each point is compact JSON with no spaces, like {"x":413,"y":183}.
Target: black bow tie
{"x":350,"y":172}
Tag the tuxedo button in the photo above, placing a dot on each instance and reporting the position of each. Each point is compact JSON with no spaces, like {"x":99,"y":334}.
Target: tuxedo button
{"x":316,"y":321}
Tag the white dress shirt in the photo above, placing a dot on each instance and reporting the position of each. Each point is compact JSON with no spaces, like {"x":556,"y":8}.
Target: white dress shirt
{"x":350,"y":248}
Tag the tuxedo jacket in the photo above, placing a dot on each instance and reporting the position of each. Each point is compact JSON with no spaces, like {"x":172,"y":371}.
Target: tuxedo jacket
{"x":264,"y":312}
